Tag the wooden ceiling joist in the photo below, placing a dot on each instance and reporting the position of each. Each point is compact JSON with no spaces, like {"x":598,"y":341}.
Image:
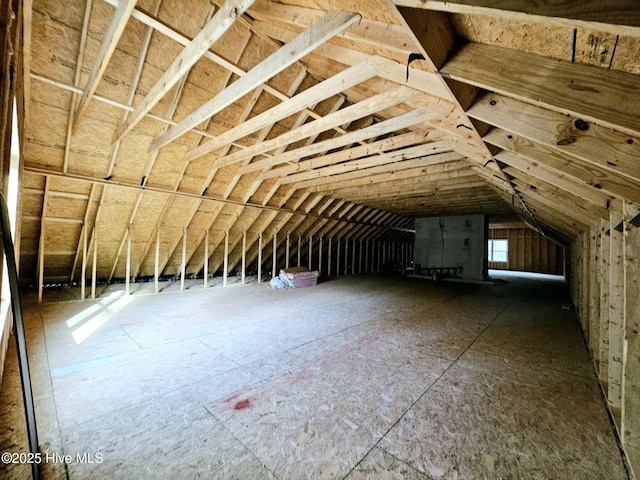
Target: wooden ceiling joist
{"x":331,"y":24}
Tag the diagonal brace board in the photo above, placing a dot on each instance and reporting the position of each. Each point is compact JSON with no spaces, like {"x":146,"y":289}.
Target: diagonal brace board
{"x":213,"y":30}
{"x":406,"y":120}
{"x":361,"y":109}
{"x":307,"y":41}
{"x":336,"y":84}
{"x":111,"y":38}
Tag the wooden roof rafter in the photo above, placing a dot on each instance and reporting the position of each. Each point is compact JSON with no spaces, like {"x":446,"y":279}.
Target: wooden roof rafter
{"x":331,"y":24}
{"x":213,"y":30}
{"x":112,"y":36}
{"x":620,"y":18}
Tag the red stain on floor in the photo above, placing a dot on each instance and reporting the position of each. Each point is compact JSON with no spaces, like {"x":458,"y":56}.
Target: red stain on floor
{"x":242,"y":404}
{"x":231,"y":397}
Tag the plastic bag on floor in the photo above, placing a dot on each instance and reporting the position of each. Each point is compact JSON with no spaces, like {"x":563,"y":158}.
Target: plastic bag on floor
{"x":276,"y":283}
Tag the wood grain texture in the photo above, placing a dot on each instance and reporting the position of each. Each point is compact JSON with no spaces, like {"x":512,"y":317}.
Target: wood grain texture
{"x":617,"y":17}
{"x":606,"y":97}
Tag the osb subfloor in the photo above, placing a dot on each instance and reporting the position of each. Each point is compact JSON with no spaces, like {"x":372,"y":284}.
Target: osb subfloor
{"x":358,"y":377}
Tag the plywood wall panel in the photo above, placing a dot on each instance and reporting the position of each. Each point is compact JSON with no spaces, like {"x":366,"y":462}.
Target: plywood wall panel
{"x":529,"y":251}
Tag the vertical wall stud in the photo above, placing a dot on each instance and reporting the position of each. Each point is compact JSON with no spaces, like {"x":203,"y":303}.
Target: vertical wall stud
{"x":225,"y":262}
{"x":320,"y":257}
{"x":353,"y":257}
{"x":274,"y":256}
{"x":244,"y":256}
{"x":346,"y":255}
{"x":288,"y":251}
{"x":616,"y":311}
{"x":94,"y":267}
{"x":156,"y":267}
{"x":127,"y":284}
{"x":259,"y":257}
{"x":329,"y":258}
{"x":205,"y":270}
{"x":366,"y":258}
{"x":338,"y":256}
{"x":183,"y":264}
{"x":310,"y":250}
{"x":83,"y":276}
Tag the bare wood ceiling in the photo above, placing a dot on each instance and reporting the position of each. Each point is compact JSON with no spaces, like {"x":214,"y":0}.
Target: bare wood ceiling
{"x":184,"y":125}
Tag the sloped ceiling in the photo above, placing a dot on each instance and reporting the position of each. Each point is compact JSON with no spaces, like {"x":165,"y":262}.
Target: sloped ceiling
{"x":184,"y":126}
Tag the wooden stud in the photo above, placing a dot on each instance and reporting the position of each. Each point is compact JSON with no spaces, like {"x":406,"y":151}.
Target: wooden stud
{"x":353,"y":257}
{"x":260,"y":257}
{"x":94,"y":265}
{"x":127,"y":285}
{"x":338,"y":242}
{"x":616,"y":311}
{"x":274,"y":256}
{"x":299,"y":249}
{"x":83,"y":274}
{"x":205,"y":268}
{"x":329,"y":257}
{"x":288,"y":252}
{"x":320,"y":257}
{"x":594,"y":293}
{"x":156,"y":264}
{"x":367,"y":266}
{"x":605,"y":275}
{"x":630,"y":411}
{"x":225,"y":268}
{"x":346,"y":256}
{"x":310,"y":250}
{"x":244,"y":257}
{"x":183,"y":263}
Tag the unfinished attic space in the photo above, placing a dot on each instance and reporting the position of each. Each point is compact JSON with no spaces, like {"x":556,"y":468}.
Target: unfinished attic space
{"x":320,"y":239}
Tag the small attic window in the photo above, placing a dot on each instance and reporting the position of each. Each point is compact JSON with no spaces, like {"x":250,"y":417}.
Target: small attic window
{"x":498,"y":250}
